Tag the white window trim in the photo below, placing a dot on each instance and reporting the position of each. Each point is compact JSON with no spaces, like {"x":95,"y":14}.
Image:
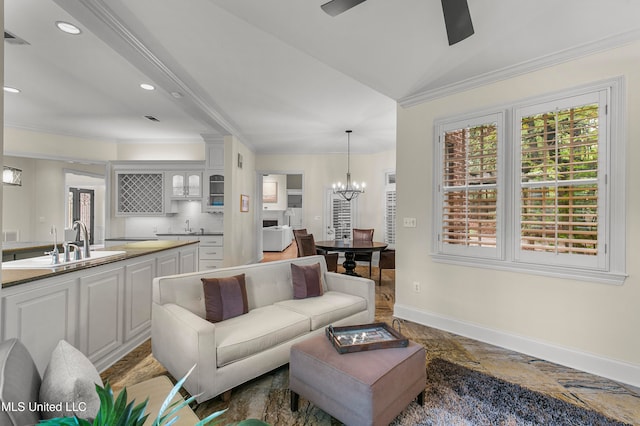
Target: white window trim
{"x":615,"y":204}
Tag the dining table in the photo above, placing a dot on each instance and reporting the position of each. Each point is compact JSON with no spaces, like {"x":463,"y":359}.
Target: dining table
{"x":350,"y":248}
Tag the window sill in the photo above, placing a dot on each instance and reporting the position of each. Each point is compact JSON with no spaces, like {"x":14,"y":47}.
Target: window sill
{"x":611,"y":278}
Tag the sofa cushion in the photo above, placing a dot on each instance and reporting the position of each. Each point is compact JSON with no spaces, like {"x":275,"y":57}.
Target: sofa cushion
{"x":306,"y":280}
{"x":258,"y":330}
{"x":225,"y":298}
{"x":19,"y":384}
{"x":69,"y":382}
{"x":323,"y":310}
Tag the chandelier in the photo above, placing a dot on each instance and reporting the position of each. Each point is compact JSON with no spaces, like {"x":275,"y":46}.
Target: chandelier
{"x":350,"y":190}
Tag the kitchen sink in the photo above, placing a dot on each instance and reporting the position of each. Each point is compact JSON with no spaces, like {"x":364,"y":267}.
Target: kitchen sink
{"x":44,"y":262}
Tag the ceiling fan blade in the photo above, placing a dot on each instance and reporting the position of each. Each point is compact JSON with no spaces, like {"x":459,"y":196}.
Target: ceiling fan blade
{"x":457,"y":19}
{"x":336,"y":7}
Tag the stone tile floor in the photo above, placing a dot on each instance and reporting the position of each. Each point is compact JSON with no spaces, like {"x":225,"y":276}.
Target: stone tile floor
{"x":266,"y":396}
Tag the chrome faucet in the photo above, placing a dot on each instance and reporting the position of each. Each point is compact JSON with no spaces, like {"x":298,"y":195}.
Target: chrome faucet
{"x":67,"y":253}
{"x":188,"y":228}
{"x":86,"y":253}
{"x":55,"y":255}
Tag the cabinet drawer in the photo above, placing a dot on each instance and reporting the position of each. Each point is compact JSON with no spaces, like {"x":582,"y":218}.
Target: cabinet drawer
{"x":209,"y":252}
{"x":210,"y":264}
{"x":211,"y":240}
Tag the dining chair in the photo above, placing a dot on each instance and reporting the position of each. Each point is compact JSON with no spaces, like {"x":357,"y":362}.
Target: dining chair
{"x":387,"y":261}
{"x":363,"y":235}
{"x":307,"y":247}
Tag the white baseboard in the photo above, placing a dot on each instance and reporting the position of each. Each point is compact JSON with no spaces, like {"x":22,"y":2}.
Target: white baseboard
{"x":595,"y":364}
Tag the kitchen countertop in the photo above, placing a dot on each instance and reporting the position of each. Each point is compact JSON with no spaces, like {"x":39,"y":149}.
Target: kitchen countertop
{"x":189,"y":234}
{"x":11,"y":277}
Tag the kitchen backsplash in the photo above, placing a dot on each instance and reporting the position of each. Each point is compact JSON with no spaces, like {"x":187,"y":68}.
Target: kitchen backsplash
{"x":192,"y":211}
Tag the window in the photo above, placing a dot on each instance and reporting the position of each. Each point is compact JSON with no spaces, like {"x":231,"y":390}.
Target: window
{"x":539,"y":195}
{"x":340,"y":216}
{"x":469,"y":186}
{"x":390,"y":209}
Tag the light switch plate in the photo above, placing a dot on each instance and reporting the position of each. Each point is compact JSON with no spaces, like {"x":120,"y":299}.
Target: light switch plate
{"x":409,"y":222}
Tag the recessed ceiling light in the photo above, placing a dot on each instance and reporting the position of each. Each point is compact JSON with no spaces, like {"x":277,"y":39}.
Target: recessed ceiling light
{"x":147,"y":86}
{"x":11,"y":89}
{"x":68,"y":28}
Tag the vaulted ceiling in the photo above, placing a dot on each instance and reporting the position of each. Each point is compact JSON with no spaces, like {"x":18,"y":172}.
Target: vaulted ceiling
{"x":281,"y":75}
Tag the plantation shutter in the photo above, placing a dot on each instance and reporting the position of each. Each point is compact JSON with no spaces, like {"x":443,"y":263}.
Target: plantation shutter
{"x":469,"y":188}
{"x":561,"y":182}
{"x":341,"y":217}
{"x":390,"y":217}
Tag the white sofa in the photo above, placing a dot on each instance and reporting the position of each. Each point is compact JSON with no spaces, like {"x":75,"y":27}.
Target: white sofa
{"x":276,"y":238}
{"x":233,"y":351}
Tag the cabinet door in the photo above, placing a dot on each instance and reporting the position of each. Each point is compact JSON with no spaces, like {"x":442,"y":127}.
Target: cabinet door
{"x":178,"y":186}
{"x":185,"y":184}
{"x":167,"y":265}
{"x":42,"y":317}
{"x":194,"y":184}
{"x":137,"y":297}
{"x":189,"y":259}
{"x":215,"y":156}
{"x":101,"y":316}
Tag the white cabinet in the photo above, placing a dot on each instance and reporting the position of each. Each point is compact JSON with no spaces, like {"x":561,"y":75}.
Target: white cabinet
{"x":168,"y":264}
{"x":189,"y":259}
{"x":100,"y":326}
{"x":211,"y":252}
{"x":185,"y":184}
{"x":41,"y":316}
{"x":137,"y":297}
{"x":215,"y":155}
{"x":214,"y":200}
{"x":105,"y":311}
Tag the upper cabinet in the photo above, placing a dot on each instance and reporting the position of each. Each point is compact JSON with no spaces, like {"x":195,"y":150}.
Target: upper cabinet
{"x":213,"y":200}
{"x":185,"y":184}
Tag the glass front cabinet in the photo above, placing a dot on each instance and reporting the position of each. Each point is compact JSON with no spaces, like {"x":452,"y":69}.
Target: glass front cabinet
{"x":215,"y":201}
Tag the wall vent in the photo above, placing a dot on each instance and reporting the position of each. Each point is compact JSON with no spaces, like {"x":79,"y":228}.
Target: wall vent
{"x":152,"y":118}
{"x":13,"y":39}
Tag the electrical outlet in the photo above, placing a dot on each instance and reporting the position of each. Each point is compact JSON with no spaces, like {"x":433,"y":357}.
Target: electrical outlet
{"x":409,"y":222}
{"x":155,"y":230}
{"x":416,"y":286}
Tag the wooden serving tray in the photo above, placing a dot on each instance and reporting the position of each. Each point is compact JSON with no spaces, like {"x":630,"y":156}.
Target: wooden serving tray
{"x":365,"y":337}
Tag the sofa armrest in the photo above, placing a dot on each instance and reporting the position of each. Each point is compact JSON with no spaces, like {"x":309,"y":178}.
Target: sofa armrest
{"x":357,"y":286}
{"x":180,"y":339}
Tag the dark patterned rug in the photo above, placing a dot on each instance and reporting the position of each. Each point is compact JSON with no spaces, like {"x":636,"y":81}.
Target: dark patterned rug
{"x":456,"y":395}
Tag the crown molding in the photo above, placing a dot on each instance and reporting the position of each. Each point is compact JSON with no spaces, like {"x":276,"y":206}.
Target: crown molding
{"x":521,"y":68}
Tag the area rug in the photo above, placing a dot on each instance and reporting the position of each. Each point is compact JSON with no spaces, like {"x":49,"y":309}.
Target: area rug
{"x":456,"y":395}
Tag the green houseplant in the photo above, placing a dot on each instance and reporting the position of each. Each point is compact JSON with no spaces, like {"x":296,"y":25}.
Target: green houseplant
{"x":123,"y":413}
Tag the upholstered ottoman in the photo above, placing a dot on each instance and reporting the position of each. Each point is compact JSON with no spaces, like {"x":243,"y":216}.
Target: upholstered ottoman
{"x":359,"y":388}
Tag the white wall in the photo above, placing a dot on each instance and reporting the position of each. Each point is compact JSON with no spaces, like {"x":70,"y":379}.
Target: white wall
{"x":28,"y":143}
{"x":320,"y":171}
{"x":587,"y":325}
{"x":240,"y":233}
{"x":41,"y":200}
{"x":185,"y":151}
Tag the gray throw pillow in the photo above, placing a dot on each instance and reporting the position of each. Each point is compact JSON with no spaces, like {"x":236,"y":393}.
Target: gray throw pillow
{"x":69,"y":384}
{"x":306,"y":281}
{"x":225,"y":298}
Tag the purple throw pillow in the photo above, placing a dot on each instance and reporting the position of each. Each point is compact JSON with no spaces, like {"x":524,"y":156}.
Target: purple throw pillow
{"x":225,"y":298}
{"x":306,"y":281}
